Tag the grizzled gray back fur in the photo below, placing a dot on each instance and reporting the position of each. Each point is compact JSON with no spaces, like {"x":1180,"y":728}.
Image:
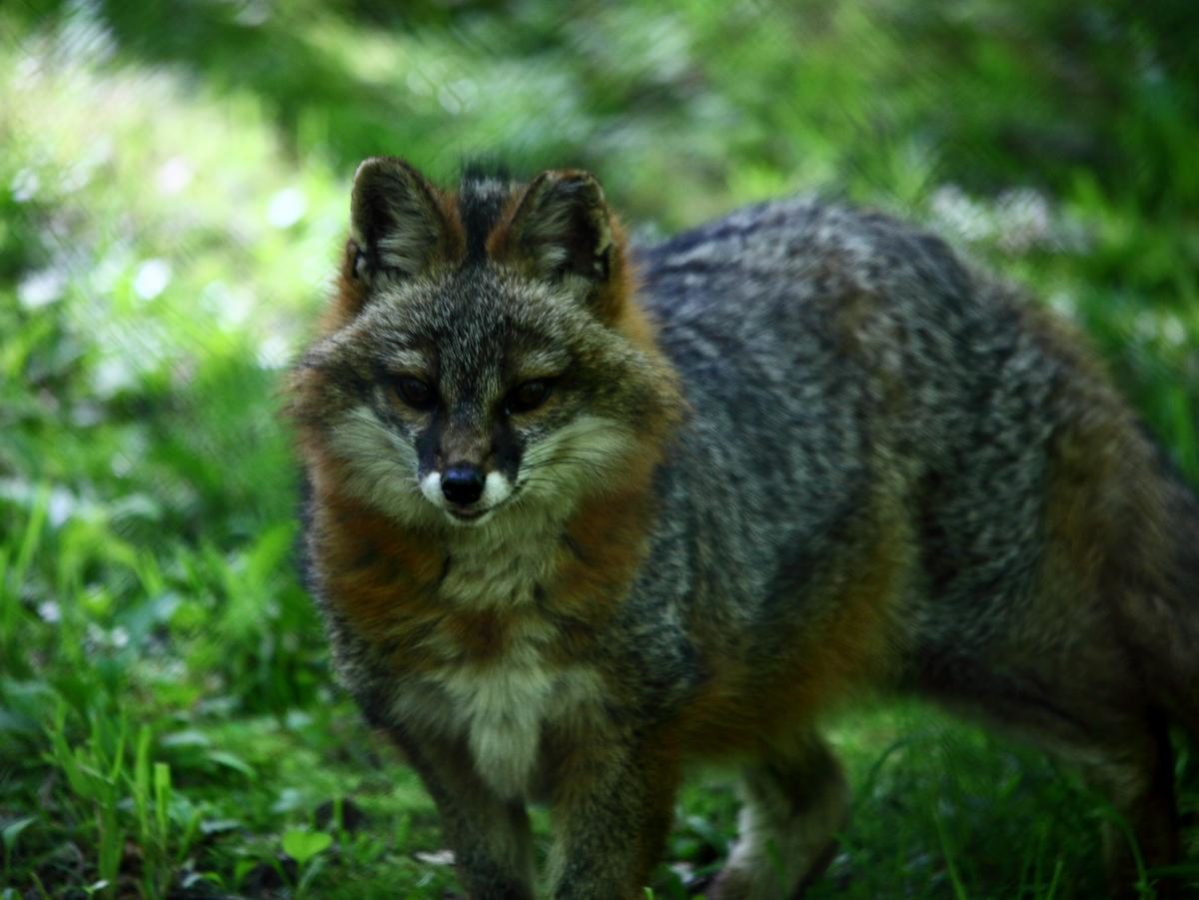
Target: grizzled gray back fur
{"x":791,"y":435}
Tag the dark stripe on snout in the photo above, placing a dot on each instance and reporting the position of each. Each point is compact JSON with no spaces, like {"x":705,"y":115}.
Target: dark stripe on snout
{"x":427,"y":443}
{"x":507,"y":450}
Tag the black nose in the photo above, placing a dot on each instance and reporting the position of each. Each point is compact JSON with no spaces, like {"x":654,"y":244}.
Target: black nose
{"x":462,"y":484}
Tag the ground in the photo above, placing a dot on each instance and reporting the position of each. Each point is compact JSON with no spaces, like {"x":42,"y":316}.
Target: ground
{"x":173,"y":189}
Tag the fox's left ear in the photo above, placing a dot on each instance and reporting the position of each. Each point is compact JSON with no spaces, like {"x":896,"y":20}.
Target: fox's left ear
{"x":561,"y":230}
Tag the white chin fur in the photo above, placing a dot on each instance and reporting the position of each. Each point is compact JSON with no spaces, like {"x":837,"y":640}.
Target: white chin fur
{"x":496,"y":489}
{"x":430,"y":486}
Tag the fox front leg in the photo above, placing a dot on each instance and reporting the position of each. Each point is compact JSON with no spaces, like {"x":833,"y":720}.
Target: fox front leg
{"x":612,"y":810}
{"x":489,"y":835}
{"x":796,"y":800}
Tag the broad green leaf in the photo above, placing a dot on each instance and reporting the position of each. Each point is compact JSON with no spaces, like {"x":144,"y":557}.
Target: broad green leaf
{"x":303,"y":845}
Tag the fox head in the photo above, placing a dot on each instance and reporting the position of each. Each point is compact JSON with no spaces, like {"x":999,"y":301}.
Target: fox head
{"x":483,"y":355}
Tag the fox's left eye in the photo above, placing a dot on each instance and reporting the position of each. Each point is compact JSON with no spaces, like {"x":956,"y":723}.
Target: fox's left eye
{"x":528,"y":396}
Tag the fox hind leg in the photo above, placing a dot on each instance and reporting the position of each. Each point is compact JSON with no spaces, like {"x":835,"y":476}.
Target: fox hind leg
{"x":1105,"y":728}
{"x":1138,"y":781}
{"x":794,"y":803}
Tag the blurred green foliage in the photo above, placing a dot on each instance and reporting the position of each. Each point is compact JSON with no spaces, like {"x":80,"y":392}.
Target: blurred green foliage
{"x":173,"y":190}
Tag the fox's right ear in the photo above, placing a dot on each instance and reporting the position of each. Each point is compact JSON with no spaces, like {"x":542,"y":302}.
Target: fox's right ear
{"x":398,"y":221}
{"x":562,"y":231}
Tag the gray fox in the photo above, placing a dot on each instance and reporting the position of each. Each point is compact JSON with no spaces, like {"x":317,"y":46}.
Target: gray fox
{"x":579,"y":514}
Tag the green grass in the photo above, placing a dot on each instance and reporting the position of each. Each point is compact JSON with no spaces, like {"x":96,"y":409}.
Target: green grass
{"x":173,"y":188}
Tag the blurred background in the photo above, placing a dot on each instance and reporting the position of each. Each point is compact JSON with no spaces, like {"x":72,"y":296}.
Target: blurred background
{"x":174,"y":186}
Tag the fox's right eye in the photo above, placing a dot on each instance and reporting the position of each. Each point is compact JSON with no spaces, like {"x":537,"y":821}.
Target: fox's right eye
{"x":415,"y":393}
